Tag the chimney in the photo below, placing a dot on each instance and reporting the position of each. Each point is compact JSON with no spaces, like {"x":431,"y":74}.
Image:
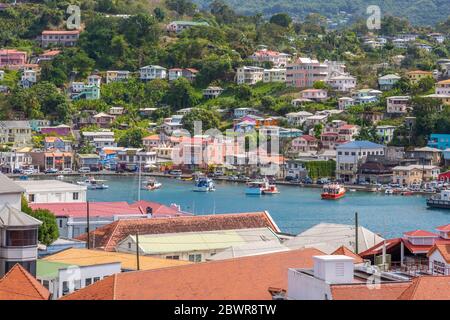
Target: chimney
{"x":334,"y":269}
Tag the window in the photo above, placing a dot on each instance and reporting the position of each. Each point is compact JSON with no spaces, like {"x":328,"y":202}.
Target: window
{"x":31,"y":198}
{"x":21,"y":238}
{"x":60,"y":223}
{"x":75,"y":196}
{"x":173,"y":257}
{"x":96,"y":279}
{"x":45,"y":283}
{"x":195,"y":257}
{"x":88,"y":282}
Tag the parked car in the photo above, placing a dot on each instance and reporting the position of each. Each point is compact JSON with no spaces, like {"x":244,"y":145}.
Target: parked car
{"x":175,"y":172}
{"x":289,"y":178}
{"x":66,"y":171}
{"x":84,"y":170}
{"x":18,"y":171}
{"x":29,"y":171}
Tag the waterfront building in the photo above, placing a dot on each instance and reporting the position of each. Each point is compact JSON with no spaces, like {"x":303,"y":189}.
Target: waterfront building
{"x":249,"y":75}
{"x":351,"y":155}
{"x":19,"y":284}
{"x":10,"y":161}
{"x":59,"y":37}
{"x":99,"y":139}
{"x":62,"y":279}
{"x":194,"y":246}
{"x":56,"y":143}
{"x":59,"y":160}
{"x":414,"y":174}
{"x":259,"y":277}
{"x":51,"y":191}
{"x":130,"y":159}
{"x":15,"y":133}
{"x":91,"y":161}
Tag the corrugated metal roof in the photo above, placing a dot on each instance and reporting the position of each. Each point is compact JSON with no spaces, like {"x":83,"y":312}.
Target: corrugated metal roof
{"x":11,"y":217}
{"x":9,"y":186}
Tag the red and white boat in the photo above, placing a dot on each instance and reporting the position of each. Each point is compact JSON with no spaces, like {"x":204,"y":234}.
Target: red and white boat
{"x":333,"y":191}
{"x":271,"y":189}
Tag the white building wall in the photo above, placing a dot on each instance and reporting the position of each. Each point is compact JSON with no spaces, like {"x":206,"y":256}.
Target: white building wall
{"x":435,"y":261}
{"x":304,"y":287}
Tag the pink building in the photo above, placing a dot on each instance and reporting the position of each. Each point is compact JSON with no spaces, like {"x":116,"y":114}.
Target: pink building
{"x":11,"y":57}
{"x":303,"y":72}
{"x":305,"y":143}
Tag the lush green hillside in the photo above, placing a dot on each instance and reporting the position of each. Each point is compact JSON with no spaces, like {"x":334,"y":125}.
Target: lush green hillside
{"x":423,"y":12}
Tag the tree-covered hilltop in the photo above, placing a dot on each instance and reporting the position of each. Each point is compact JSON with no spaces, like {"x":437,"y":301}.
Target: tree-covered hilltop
{"x":419,"y":12}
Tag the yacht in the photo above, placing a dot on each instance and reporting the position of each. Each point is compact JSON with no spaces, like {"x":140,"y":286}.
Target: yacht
{"x":151,"y":184}
{"x":93,"y":184}
{"x":204,"y":184}
{"x":257,"y":187}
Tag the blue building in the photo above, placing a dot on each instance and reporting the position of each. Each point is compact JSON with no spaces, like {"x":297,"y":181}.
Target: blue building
{"x":439,"y":141}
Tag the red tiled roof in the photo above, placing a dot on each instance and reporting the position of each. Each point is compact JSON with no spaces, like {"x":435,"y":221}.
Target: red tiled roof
{"x":428,"y":288}
{"x":444,"y":250}
{"x":344,"y":251}
{"x":107,"y":237}
{"x":420,"y":233}
{"x":46,"y":32}
{"x":386,"y":291}
{"x":307,"y":137}
{"x":152,"y":137}
{"x":376,"y":249}
{"x":246,"y":278}
{"x":105,"y":209}
{"x":18,"y":284}
{"x":444,"y":228}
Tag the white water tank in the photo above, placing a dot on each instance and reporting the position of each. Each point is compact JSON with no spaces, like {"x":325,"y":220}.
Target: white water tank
{"x":334,"y":269}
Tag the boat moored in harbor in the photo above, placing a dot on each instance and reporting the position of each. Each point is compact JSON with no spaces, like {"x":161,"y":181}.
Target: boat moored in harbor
{"x":272,"y":189}
{"x":151,"y":184}
{"x":257,"y":187}
{"x":204,"y":184}
{"x":332,"y":191}
{"x":441,"y":200}
{"x":93,"y":184}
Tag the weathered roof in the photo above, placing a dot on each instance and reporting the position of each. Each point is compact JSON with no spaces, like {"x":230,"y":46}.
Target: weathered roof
{"x":49,"y":269}
{"x":11,"y":217}
{"x":386,"y":291}
{"x":85,"y":257}
{"x":108,"y":236}
{"x":246,"y":278}
{"x":360,"y":144}
{"x":18,"y":284}
{"x":428,"y":288}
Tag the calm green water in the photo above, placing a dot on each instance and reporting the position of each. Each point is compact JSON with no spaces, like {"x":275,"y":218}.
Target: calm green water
{"x":294,"y":209}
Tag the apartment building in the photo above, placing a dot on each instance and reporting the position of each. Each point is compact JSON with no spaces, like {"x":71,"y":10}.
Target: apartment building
{"x":274,"y":75}
{"x":398,"y":104}
{"x":152,"y":72}
{"x":117,"y":75}
{"x":12,"y":57}
{"x":278,"y":59}
{"x":59,"y":37}
{"x":15,"y":133}
{"x":249,"y":75}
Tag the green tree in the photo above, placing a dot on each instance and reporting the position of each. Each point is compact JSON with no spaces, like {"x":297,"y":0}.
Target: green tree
{"x":48,"y":231}
{"x":181,"y":94}
{"x":132,"y":138}
{"x":208,"y":118}
{"x":159,"y":14}
{"x":281,"y":19}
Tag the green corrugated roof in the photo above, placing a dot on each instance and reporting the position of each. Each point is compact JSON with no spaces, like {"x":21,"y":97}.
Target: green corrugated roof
{"x":49,"y":269}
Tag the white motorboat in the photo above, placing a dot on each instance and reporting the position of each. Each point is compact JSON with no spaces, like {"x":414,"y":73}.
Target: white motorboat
{"x":204,"y":184}
{"x":93,"y":184}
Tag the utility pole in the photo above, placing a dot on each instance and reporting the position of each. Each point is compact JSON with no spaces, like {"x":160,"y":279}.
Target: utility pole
{"x":137,"y":252}
{"x":88,"y":229}
{"x":356,"y":233}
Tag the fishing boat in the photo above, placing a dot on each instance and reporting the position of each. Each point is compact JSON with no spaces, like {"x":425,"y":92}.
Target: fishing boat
{"x":389,"y":191}
{"x":272,"y":189}
{"x":204,"y":184}
{"x":93,"y":184}
{"x":332,"y":191}
{"x":151,"y":184}
{"x":441,"y":200}
{"x":257,"y":187}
